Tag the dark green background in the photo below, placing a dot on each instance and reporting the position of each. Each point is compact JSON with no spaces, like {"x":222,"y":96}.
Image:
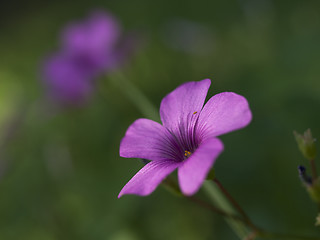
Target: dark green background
{"x":60,"y":171}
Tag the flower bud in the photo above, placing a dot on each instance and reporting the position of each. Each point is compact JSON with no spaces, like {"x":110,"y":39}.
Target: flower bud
{"x":306,"y":144}
{"x":304,"y":177}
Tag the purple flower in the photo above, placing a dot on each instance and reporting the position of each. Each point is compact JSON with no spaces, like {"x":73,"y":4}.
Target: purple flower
{"x":93,"y":42}
{"x":66,"y":82}
{"x":89,"y":48}
{"x":186,"y":140}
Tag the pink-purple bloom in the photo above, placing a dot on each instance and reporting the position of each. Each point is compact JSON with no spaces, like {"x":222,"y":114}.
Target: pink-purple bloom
{"x":186,"y":140}
{"x":88,"y":49}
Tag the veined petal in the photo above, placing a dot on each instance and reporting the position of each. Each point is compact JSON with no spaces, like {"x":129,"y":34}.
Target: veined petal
{"x":182,"y":102}
{"x":194,"y":170}
{"x":149,"y":177}
{"x":148,"y":139}
{"x":224,"y":112}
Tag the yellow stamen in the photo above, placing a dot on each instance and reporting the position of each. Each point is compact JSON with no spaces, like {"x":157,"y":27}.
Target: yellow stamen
{"x":187,"y":153}
{"x":195,"y":112}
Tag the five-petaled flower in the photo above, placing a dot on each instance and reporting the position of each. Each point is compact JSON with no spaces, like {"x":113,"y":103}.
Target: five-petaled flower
{"x":186,"y":140}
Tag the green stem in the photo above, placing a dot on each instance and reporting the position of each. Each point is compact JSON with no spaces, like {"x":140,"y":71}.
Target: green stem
{"x":217,"y":197}
{"x":235,"y":205}
{"x":314,"y":177}
{"x":230,"y":198}
{"x":213,"y":208}
{"x":173,"y":187}
{"x":136,"y":96}
{"x":313,"y":169}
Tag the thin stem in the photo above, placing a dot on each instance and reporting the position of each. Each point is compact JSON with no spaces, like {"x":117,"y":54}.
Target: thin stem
{"x":313,"y":169}
{"x":213,"y":208}
{"x":314,"y":176}
{"x":236,"y":205}
{"x":136,"y":96}
{"x":171,"y":185}
{"x":240,"y":228}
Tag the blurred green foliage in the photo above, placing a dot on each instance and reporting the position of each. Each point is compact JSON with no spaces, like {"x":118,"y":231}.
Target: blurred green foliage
{"x":60,"y":171}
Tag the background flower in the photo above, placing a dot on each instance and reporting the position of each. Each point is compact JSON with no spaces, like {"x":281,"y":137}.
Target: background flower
{"x":89,"y":48}
{"x":93,"y":43}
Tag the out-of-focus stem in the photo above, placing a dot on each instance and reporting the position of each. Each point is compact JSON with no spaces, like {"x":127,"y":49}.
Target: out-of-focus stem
{"x":235,"y":204}
{"x":314,"y":176}
{"x":313,"y":169}
{"x":217,"y":197}
{"x":213,"y":208}
{"x":136,"y":96}
{"x":173,"y":187}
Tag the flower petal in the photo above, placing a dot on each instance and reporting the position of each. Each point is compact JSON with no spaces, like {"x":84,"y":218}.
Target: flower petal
{"x":149,"y":177}
{"x":66,"y":82}
{"x":195,"y":169}
{"x":182,"y":102}
{"x":224,"y":112}
{"x":98,"y":33}
{"x":148,"y":139}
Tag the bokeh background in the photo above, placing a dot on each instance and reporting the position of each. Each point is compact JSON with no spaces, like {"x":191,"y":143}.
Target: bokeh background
{"x":60,"y":172}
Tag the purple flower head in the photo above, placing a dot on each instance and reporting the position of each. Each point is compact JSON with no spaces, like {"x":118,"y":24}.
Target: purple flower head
{"x":89,"y":48}
{"x":66,"y":83}
{"x":186,"y":140}
{"x":93,"y":42}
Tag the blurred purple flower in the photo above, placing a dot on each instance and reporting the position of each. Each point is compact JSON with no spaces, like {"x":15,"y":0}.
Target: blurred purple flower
{"x":89,"y":48}
{"x":65,"y":81}
{"x":186,"y":140}
{"x":92,"y":43}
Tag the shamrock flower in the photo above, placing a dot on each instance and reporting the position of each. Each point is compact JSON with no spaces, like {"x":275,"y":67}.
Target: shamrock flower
{"x":186,"y":140}
{"x":66,"y":82}
{"x":88,"y":49}
{"x":93,"y":43}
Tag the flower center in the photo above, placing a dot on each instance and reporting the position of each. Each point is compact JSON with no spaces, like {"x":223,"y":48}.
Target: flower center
{"x":187,"y":153}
